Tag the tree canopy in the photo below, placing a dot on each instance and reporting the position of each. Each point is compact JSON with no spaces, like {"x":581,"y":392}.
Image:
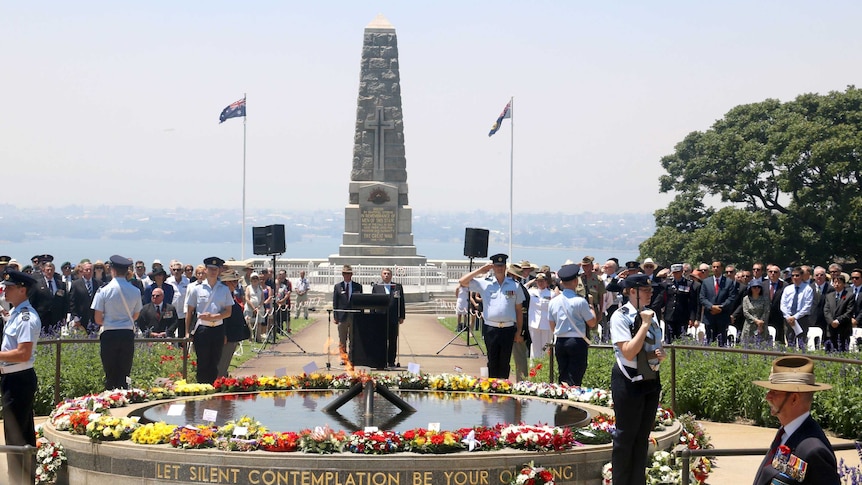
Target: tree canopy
{"x":787,"y":174}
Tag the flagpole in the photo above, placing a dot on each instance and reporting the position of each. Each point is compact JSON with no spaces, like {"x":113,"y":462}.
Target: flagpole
{"x":244,"y":118}
{"x":511,"y":168}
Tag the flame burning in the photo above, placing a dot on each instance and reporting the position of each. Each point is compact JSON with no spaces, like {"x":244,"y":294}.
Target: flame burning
{"x":330,"y":347}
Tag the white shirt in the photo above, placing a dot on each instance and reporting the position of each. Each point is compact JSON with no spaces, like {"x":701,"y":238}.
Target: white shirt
{"x":803,"y":300}
{"x":539,"y":302}
{"x":793,"y":426}
{"x":180,"y":290}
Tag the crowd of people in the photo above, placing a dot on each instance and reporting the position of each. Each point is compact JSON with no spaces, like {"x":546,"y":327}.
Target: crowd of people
{"x":765,"y":305}
{"x":63,"y":298}
{"x":120,"y":299}
{"x":712,"y":302}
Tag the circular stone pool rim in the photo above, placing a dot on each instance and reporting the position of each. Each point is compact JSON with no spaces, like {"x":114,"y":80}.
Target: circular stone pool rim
{"x":104,"y":463}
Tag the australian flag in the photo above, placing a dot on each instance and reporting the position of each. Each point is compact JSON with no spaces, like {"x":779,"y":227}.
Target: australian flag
{"x":507,"y":113}
{"x":234,"y":110}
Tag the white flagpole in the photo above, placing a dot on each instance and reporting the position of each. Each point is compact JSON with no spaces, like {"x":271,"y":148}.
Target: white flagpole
{"x":511,"y":169}
{"x":244,"y":118}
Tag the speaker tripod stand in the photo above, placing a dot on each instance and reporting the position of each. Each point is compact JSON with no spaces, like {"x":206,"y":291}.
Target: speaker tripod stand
{"x":466,"y":328}
{"x":469,"y":330}
{"x":271,"y":329}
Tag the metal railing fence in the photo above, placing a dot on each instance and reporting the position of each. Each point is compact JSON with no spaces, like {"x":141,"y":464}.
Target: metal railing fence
{"x":58,"y":344}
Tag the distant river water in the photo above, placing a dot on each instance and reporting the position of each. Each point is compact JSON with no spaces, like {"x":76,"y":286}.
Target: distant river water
{"x":309,"y":248}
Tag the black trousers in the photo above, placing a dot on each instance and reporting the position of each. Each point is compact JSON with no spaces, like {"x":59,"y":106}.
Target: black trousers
{"x":499,"y":342}
{"x":571,"y":355}
{"x":717,"y":332}
{"x":838,"y":339}
{"x":392,"y":342}
{"x":209,"y":342}
{"x":635,"y":404}
{"x":282,"y":316}
{"x":675,"y":330}
{"x":800,"y":341}
{"x":117,"y":350}
{"x":19,"y":391}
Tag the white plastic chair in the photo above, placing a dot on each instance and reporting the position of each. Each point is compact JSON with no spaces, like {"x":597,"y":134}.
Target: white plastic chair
{"x":815,"y":337}
{"x":854,"y":337}
{"x":732,"y":336}
{"x":691,"y":332}
{"x":698,"y":333}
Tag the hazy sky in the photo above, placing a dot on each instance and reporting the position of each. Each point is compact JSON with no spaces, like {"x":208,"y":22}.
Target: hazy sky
{"x":118,"y":102}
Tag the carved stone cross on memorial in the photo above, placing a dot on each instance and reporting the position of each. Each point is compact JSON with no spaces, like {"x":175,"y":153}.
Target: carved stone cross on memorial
{"x":378,"y":220}
{"x":378,"y":125}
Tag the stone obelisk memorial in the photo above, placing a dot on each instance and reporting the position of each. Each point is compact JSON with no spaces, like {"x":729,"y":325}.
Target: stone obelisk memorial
{"x":378,"y":222}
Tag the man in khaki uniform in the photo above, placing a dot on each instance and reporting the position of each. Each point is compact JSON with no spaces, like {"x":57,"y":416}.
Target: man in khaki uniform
{"x":589,"y":281}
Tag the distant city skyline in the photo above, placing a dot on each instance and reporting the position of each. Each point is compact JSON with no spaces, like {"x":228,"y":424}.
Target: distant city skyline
{"x":78,"y":232}
{"x":117,"y":103}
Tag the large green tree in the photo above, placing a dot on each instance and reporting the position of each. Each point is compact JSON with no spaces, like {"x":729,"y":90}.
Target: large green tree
{"x":788,"y":178}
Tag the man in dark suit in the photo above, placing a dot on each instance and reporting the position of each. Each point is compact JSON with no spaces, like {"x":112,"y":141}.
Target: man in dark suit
{"x":822,"y":291}
{"x":855,"y":291}
{"x":49,"y":297}
{"x":81,"y":298}
{"x":157,"y":318}
{"x":341,"y":295}
{"x":717,"y":295}
{"x":791,"y":390}
{"x":396,"y":312}
{"x":773,"y":286}
{"x":838,"y":313}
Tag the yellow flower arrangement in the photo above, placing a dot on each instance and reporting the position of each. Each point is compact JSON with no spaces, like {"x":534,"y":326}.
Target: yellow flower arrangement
{"x":110,"y":428}
{"x":153,"y":433}
{"x":254,"y":428}
{"x":183,"y":388}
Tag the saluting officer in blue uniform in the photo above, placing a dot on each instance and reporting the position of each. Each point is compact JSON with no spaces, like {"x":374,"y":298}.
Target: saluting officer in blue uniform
{"x":502,"y":298}
{"x":17,"y":376}
{"x":635,"y":383}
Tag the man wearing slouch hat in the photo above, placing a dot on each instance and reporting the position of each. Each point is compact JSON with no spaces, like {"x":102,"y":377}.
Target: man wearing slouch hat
{"x":800,"y":452}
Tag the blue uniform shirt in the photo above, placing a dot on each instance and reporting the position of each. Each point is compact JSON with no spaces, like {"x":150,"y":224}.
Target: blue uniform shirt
{"x":117,"y":314}
{"x":499,"y":300}
{"x":621,"y":322}
{"x":23,"y":326}
{"x":559,"y":310}
{"x":204,"y":298}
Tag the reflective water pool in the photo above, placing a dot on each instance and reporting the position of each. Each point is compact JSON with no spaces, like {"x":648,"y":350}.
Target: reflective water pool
{"x":295,"y":410}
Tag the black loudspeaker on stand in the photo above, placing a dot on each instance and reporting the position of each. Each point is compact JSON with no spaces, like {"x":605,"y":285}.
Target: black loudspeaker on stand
{"x":475,"y":246}
{"x":268,"y":240}
{"x":476,"y":243}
